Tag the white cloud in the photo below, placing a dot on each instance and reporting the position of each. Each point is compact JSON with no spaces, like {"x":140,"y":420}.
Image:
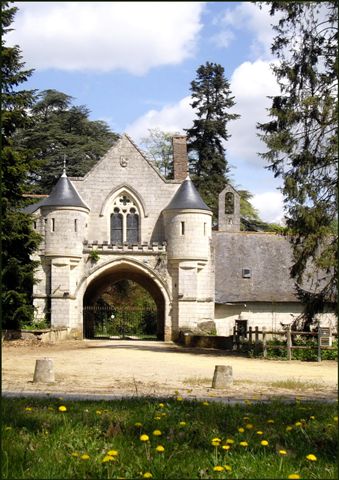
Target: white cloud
{"x":251,"y":84}
{"x":248,"y":16}
{"x":171,"y":118}
{"x":105,"y":36}
{"x":270,"y":206}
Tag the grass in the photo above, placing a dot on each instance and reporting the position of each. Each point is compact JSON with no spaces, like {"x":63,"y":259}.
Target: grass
{"x":289,"y":384}
{"x":292,"y":384}
{"x":97,"y":440}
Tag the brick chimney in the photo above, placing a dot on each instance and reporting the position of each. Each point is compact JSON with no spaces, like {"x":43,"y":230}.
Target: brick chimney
{"x":180,"y":162}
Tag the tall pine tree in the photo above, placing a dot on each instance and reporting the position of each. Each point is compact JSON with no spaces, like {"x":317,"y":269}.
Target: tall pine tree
{"x":18,"y":240}
{"x":212,"y":100}
{"x":302,"y":142}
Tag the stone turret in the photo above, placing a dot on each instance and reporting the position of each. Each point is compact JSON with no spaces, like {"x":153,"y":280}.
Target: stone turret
{"x":188,"y":224}
{"x":64,"y":216}
{"x":188,"y":230}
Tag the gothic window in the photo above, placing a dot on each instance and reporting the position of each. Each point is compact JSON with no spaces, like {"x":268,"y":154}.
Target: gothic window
{"x":132,"y":226}
{"x":125,"y":221}
{"x":229,"y":203}
{"x":116,"y":227}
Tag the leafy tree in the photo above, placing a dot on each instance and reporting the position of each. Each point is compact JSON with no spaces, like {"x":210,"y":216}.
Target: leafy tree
{"x":18,"y":239}
{"x":212,"y":100}
{"x":302,"y":142}
{"x":59,"y":130}
{"x":158,"y":145}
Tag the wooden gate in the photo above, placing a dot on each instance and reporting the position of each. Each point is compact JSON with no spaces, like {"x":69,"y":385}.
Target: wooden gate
{"x":119,"y":322}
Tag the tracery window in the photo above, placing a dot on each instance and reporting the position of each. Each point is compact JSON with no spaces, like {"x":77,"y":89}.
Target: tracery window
{"x":125,"y":221}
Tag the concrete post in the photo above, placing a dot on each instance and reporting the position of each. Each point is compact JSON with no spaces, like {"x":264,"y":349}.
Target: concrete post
{"x":44,"y":371}
{"x":223,"y":376}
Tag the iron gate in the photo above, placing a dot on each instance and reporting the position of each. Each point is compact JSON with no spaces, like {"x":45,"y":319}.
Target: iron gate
{"x":119,"y":322}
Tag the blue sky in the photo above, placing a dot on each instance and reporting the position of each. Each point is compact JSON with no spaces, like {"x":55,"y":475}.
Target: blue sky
{"x":131,"y":64}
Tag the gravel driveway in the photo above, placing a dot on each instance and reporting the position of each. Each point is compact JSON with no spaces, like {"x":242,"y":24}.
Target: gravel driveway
{"x":125,"y":367}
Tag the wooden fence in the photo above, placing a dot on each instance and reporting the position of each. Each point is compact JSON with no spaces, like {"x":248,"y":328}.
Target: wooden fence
{"x":253,"y":340}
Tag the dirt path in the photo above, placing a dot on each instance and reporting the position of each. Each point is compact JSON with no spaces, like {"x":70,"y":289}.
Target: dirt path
{"x":157,"y":368}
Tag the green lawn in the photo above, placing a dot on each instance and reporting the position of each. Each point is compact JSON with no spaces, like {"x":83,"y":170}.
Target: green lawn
{"x":170,"y":439}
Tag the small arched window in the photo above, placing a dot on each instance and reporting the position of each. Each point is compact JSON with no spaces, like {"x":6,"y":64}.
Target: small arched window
{"x":132,"y":226}
{"x":229,"y":203}
{"x":116,"y":227}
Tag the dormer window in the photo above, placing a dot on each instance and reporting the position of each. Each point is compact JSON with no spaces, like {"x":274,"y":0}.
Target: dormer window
{"x":125,"y":221}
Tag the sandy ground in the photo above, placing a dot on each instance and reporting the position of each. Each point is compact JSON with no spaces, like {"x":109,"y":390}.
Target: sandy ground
{"x":125,"y":367}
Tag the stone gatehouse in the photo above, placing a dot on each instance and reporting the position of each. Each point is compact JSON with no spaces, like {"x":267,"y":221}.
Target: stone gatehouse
{"x":158,"y":233}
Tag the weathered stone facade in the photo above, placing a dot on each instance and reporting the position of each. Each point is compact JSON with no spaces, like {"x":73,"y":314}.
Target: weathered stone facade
{"x":123,"y":220}
{"x":169,"y":252}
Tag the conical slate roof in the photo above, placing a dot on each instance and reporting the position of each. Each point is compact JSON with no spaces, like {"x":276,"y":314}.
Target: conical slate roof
{"x":187,"y":196}
{"x":63,"y":194}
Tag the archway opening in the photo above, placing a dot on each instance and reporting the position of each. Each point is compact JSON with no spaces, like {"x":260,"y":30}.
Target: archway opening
{"x":123,"y":302}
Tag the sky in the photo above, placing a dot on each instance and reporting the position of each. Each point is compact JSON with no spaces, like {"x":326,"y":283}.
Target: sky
{"x":132,"y":63}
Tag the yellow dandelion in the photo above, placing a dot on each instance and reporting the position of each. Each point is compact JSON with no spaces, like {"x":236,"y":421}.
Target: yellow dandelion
{"x":157,"y":418}
{"x":113,"y":453}
{"x":249,"y":426}
{"x":298,"y":424}
{"x":230,"y":441}
{"x":161,"y":405}
{"x":98,"y":412}
{"x":259,"y":432}
{"x":243,"y":444}
{"x":294,"y":475}
{"x":157,"y":433}
{"x":241,"y":430}
{"x":160,"y":449}
{"x":270,"y":421}
{"x":218,"y":468}
{"x":264,"y":443}
{"x":182,"y":424}
{"x":107,"y":458}
{"x":226,"y":447}
{"x":205,"y":404}
{"x":28,"y":409}
{"x":138,"y":424}
{"x":216,"y":439}
{"x":228,"y":468}
{"x":282,"y":452}
{"x":311,"y":457}
{"x":84,"y":456}
{"x":144,"y":438}
{"x":335,"y":418}
{"x":215,"y":443}
{"x":147,"y":475}
{"x":312,"y":417}
{"x":74,"y":454}
{"x":179,"y":399}
{"x":62,"y":408}
{"x":289,"y":428}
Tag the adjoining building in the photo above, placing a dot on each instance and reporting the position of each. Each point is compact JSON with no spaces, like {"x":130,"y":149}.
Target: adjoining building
{"x":124,"y":220}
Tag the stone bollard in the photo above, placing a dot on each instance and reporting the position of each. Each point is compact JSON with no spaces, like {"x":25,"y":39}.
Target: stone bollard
{"x":44,"y":371}
{"x":223,"y":376}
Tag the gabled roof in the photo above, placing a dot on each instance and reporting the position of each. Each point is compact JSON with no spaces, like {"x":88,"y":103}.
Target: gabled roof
{"x":187,"y":197}
{"x":63,"y":194}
